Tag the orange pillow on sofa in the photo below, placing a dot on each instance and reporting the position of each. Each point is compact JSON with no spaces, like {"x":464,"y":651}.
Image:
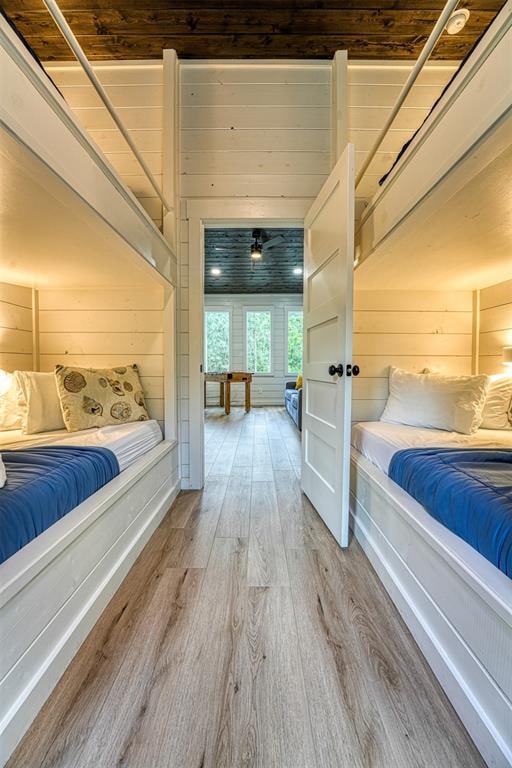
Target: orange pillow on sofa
{"x":298,"y":383}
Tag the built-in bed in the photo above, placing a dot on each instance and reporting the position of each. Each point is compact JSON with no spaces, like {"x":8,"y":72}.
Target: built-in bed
{"x":54,"y":588}
{"x":463,"y":144}
{"x":457,"y":603}
{"x":35,"y":120}
{"x":438,"y":222}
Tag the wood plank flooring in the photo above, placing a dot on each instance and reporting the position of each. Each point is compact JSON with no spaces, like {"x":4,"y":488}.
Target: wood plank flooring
{"x":243,"y":636}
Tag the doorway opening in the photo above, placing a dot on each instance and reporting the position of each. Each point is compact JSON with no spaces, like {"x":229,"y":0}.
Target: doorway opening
{"x":252,"y":356}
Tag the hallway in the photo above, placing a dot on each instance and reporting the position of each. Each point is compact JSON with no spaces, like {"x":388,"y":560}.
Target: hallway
{"x":244,"y":637}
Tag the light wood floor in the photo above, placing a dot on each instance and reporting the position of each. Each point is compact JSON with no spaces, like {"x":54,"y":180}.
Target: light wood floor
{"x":244,"y":637}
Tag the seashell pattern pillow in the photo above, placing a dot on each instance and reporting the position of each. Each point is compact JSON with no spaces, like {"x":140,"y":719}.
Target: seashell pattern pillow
{"x":96,"y":397}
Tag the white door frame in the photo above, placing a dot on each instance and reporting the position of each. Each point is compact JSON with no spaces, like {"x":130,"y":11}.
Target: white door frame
{"x":208,"y":213}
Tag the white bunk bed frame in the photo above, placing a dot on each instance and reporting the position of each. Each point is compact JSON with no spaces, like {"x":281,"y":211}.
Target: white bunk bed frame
{"x":446,"y":138}
{"x":53,"y":590}
{"x":33,"y":111}
{"x":457,"y":605}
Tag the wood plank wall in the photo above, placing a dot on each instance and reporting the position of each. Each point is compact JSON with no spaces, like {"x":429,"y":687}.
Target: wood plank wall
{"x":15,"y":327}
{"x":136,"y":90}
{"x":257,"y":130}
{"x":266,"y":390}
{"x":103,"y":328}
{"x":495,"y":326}
{"x":247,"y":126}
{"x":411,"y":330}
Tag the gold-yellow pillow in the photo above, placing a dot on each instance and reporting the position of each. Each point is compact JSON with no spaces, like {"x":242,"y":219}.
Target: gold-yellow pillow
{"x":298,"y":383}
{"x":96,"y":397}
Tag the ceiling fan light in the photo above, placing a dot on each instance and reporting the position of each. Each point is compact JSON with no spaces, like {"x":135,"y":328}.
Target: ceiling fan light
{"x":256,"y":251}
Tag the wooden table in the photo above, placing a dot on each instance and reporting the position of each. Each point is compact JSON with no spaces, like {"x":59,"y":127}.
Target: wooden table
{"x":225,"y":380}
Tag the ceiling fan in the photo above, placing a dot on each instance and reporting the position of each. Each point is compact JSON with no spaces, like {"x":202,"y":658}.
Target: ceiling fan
{"x":261,"y":240}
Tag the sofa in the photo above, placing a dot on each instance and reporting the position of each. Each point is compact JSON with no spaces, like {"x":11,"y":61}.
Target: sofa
{"x":293,"y":403}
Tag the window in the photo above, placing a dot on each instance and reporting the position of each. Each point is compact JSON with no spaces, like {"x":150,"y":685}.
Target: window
{"x":294,"y":335}
{"x":258,"y":335}
{"x":216,"y":340}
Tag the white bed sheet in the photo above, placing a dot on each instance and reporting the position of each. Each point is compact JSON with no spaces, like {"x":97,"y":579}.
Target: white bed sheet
{"x":378,"y":441}
{"x":127,"y":441}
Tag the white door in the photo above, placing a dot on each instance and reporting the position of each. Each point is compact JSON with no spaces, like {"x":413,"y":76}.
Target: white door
{"x":327,"y":393}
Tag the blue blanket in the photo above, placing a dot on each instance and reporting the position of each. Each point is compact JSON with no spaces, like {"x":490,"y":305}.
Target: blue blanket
{"x":467,"y":490}
{"x":44,"y":484}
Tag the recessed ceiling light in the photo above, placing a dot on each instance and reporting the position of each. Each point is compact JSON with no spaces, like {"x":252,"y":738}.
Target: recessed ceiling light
{"x":297,"y":270}
{"x":215,"y":271}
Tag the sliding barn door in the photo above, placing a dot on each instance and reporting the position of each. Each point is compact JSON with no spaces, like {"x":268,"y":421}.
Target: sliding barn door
{"x":328,"y":273}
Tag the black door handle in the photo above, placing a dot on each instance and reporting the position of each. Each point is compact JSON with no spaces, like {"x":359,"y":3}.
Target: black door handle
{"x":352,"y":370}
{"x":336,"y":369}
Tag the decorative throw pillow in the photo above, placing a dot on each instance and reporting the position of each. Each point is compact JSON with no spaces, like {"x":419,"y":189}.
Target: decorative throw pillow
{"x":453,"y":403}
{"x":95,"y":397}
{"x":10,"y":417}
{"x":38,"y":402}
{"x":298,"y":383}
{"x":498,"y":404}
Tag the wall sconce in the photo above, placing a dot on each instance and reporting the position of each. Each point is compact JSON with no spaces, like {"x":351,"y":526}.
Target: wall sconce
{"x":507,"y":355}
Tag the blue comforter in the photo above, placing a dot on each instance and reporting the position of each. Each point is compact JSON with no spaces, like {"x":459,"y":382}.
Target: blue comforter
{"x":467,"y":490}
{"x":44,"y":484}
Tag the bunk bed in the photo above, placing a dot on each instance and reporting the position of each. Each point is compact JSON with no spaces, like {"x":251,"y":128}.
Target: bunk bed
{"x":439,"y":223}
{"x":433,"y":186}
{"x":34,"y":114}
{"x":68,"y":225}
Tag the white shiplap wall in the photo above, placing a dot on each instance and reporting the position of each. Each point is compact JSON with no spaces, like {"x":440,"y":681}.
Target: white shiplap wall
{"x":16,"y":350}
{"x":248,"y":129}
{"x":411,"y":330}
{"x":254,"y":129}
{"x":265,"y":390}
{"x":103,"y":328}
{"x":136,"y":90}
{"x":495,"y":326}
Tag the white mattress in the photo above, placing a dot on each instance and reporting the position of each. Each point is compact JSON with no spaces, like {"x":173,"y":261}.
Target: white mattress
{"x":127,"y":441}
{"x":379,"y":441}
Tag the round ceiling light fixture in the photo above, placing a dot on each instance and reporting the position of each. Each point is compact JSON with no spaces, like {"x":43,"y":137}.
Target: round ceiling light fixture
{"x":297,"y":270}
{"x":457,"y":21}
{"x":215,"y":271}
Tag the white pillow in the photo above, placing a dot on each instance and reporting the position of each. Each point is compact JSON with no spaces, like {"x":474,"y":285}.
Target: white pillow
{"x":10,"y":417}
{"x":3,"y":474}
{"x":497,"y":413}
{"x":453,"y":403}
{"x":39,"y":402}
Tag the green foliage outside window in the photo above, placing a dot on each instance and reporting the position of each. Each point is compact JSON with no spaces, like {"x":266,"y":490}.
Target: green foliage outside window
{"x":295,"y":338}
{"x":216,"y":334}
{"x":258,"y":341}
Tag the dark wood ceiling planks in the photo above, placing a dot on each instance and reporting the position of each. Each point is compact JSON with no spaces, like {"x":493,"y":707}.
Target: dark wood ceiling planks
{"x":229,"y":251}
{"x":304,"y":29}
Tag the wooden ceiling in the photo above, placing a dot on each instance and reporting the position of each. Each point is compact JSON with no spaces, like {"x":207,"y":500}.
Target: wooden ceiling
{"x":303,"y":29}
{"x":229,"y":251}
